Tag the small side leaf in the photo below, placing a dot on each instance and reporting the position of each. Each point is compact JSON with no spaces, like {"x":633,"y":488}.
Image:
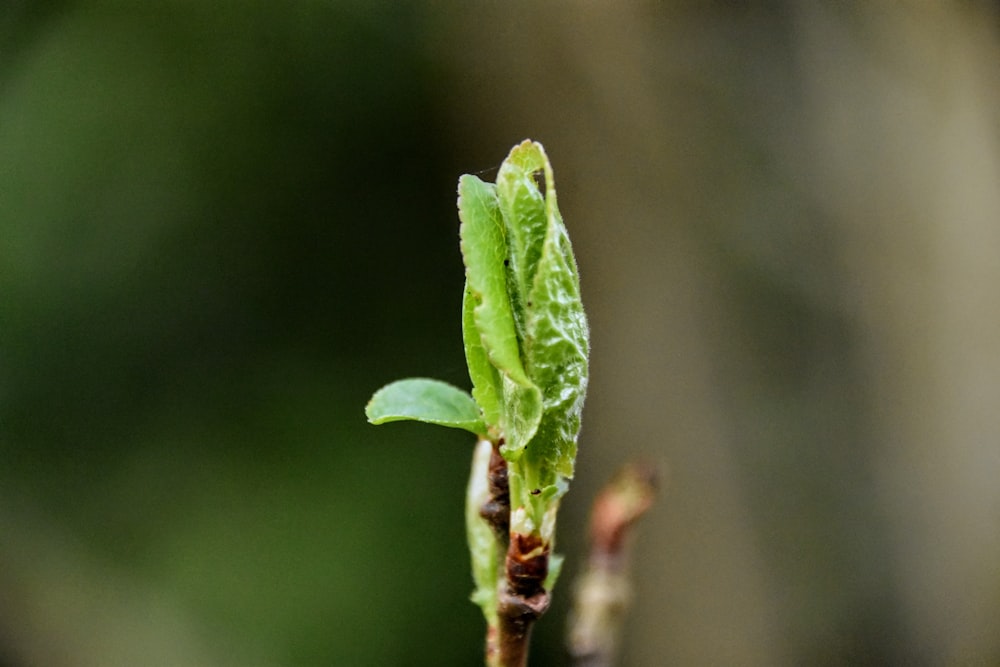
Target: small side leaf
{"x":483,"y":544}
{"x":428,"y":401}
{"x":522,"y":413}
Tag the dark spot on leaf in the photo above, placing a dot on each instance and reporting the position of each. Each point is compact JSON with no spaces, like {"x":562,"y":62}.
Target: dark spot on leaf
{"x":506,"y":262}
{"x":536,"y":492}
{"x":539,"y":178}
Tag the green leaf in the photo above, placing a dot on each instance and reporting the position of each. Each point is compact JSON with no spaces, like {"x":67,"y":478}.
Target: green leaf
{"x":523,"y":208}
{"x":486,"y":386}
{"x":555,"y":569}
{"x":544,"y":289}
{"x":522,"y":413}
{"x":428,"y":401}
{"x":557,"y":357}
{"x":484,"y":249}
{"x":483,"y":545}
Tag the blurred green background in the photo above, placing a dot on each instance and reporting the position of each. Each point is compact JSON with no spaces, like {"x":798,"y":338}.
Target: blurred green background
{"x":223,"y":225}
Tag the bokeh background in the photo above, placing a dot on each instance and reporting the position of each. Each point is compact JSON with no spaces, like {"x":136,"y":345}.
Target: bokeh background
{"x":223,"y":225}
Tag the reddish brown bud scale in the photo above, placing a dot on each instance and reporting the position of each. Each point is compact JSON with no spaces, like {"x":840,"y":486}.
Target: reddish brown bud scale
{"x":496,"y":510}
{"x":527,"y":564}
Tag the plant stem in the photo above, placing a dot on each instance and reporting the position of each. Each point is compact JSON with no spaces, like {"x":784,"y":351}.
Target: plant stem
{"x":517,"y":617}
{"x":521,"y":598}
{"x":524,"y":599}
{"x":604,"y":591}
{"x":493,"y":646}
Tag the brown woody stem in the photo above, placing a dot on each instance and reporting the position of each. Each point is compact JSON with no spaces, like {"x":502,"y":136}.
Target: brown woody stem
{"x":522,"y":598}
{"x":517,"y":617}
{"x":525,"y":599}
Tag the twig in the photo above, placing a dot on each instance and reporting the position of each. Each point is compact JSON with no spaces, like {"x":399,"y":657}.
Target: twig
{"x":525,"y":599}
{"x":496,"y":512}
{"x":603,"y":592}
{"x":521,"y":598}
{"x":517,"y":617}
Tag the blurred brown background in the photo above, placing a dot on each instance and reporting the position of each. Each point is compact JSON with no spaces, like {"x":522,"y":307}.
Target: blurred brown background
{"x":224,"y":226}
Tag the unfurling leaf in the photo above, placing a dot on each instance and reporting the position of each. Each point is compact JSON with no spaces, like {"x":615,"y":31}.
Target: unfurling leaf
{"x":526,"y":345}
{"x":525,"y":294}
{"x":484,"y":248}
